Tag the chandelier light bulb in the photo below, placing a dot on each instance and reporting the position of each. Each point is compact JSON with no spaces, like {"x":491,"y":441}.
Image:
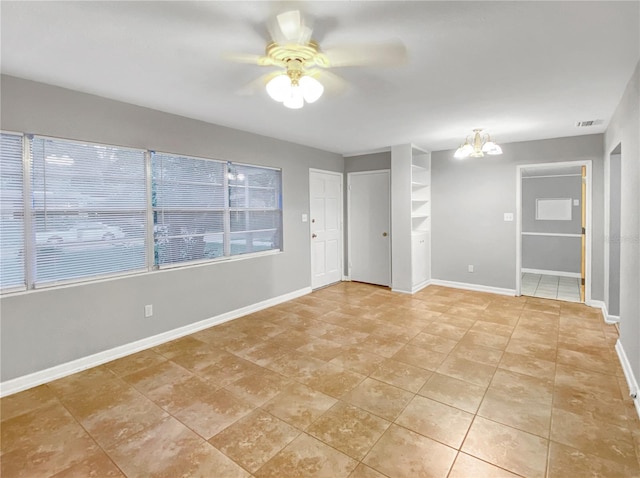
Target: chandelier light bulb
{"x":312,"y":89}
{"x":294,"y":100}
{"x":279,"y":88}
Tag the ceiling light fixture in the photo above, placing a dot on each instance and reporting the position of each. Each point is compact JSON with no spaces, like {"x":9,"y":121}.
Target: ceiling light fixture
{"x":294,"y":87}
{"x":478,"y":146}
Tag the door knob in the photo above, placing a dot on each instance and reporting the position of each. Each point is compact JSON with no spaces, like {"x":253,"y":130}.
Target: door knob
{"x":313,"y":236}
{"x":384,"y":234}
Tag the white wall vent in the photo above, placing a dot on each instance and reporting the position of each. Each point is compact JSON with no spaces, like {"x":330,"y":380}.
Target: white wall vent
{"x":583,"y":124}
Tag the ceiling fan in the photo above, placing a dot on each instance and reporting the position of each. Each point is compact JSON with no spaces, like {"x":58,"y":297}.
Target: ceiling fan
{"x":302,"y":73}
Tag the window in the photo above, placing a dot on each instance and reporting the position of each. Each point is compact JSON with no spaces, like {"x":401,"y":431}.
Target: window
{"x":88,"y":210}
{"x":255,"y":208}
{"x":11,"y":213}
{"x":188,"y":199}
{"x":73,"y":211}
{"x":205,"y":209}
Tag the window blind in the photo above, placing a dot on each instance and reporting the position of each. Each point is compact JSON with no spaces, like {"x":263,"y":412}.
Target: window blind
{"x":11,"y":213}
{"x":255,"y":202}
{"x":189,"y":205}
{"x":88,"y":209}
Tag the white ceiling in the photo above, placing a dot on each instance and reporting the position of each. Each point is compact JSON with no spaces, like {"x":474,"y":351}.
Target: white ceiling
{"x":521,"y":70}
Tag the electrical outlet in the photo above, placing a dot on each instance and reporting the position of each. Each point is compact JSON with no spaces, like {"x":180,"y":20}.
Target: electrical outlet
{"x":148,"y":310}
{"x":470,"y":268}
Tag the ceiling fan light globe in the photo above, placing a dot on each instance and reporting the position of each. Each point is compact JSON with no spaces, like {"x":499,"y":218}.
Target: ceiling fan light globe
{"x":459,"y":154}
{"x":488,"y":146}
{"x":495,"y":150}
{"x":279,"y":88}
{"x":466,"y":149}
{"x":312,"y":89}
{"x":295,"y":99}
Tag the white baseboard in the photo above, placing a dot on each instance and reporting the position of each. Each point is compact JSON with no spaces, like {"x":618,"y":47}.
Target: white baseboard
{"x":414,"y":288}
{"x":59,"y":371}
{"x":474,"y":287}
{"x":628,"y":375}
{"x":599,"y":304}
{"x":346,"y":278}
{"x":552,"y":273}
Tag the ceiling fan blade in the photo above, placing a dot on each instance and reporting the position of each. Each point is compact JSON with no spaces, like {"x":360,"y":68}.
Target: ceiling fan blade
{"x":392,"y":53}
{"x":333,"y":84}
{"x":248,"y":58}
{"x":257,"y":85}
{"x":291,"y":27}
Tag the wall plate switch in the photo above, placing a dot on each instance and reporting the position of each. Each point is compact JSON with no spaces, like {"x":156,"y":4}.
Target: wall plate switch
{"x":508,"y":216}
{"x":576,"y":202}
{"x":470,"y":268}
{"x":148,"y":310}
{"x":305,"y":218}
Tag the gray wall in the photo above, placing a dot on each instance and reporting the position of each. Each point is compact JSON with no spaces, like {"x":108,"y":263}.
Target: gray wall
{"x":613,"y":235}
{"x":624,"y":130}
{"x":356,"y":164}
{"x":551,"y":253}
{"x":44,"y":328}
{"x":469,"y":198}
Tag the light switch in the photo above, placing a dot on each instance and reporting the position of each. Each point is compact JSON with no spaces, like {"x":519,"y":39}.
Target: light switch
{"x":508,"y":216}
{"x":576,"y":202}
{"x":305,"y":218}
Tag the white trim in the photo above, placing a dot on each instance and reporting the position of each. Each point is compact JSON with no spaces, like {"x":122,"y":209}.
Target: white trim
{"x":599,"y":304}
{"x":551,"y":176}
{"x":346,"y":278}
{"x":420,"y":286}
{"x":59,"y":371}
{"x":551,"y":234}
{"x":474,"y":287}
{"x":628,"y":375}
{"x":589,"y":228}
{"x":551,"y":273}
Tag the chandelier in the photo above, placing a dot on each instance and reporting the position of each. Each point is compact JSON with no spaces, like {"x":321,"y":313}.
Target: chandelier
{"x":477,"y":147}
{"x":294,"y":87}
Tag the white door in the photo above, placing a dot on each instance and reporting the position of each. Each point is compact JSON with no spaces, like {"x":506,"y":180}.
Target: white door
{"x":325,"y":191}
{"x":369,"y":227}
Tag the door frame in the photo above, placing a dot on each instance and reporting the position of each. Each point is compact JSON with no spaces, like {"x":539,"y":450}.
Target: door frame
{"x":341,"y":235}
{"x":362,"y":173}
{"x":588,"y":252}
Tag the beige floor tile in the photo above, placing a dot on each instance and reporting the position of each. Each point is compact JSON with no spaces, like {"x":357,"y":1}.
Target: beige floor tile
{"x":413,"y":455}
{"x":566,"y":461}
{"x":259,"y":387}
{"x":299,"y":405}
{"x":436,"y":420}
{"x":402,"y":375}
{"x":594,"y":437}
{"x":170,"y":449}
{"x":463,"y":369}
{"x":505,"y":447}
{"x":349,"y":429}
{"x":363,"y":471}
{"x":436,"y":343}
{"x":456,"y":393}
{"x":333,"y":380}
{"x":529,"y":415}
{"x":420,"y":357}
{"x":309,"y":458}
{"x":358,"y":360}
{"x":98,"y":465}
{"x":25,"y":402}
{"x":467,"y":466}
{"x":366,"y":352}
{"x":254,"y":439}
{"x":477,"y":353}
{"x":379,"y":398}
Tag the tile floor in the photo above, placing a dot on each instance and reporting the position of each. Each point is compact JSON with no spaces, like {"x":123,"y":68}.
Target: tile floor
{"x":551,"y":287}
{"x":350,"y":381}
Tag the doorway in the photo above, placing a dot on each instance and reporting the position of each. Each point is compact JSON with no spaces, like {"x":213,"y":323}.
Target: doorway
{"x":553,"y":231}
{"x":325,"y":200}
{"x":369,"y":223}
